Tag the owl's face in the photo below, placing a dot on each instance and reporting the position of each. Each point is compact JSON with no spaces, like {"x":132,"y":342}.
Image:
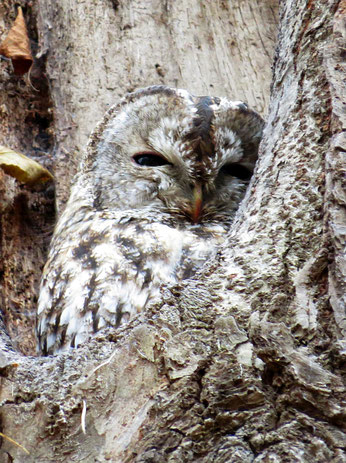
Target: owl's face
{"x":164,"y":151}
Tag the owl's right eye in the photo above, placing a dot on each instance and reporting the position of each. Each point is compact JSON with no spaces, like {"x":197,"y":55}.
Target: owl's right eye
{"x":150,"y":159}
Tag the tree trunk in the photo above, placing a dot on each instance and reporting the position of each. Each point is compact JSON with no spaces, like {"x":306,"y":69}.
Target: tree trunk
{"x":243,"y":363}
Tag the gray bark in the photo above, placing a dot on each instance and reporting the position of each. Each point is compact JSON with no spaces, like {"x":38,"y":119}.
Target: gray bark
{"x":243,"y":363}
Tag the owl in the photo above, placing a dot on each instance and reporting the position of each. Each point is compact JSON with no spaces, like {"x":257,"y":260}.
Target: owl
{"x":152,"y":201}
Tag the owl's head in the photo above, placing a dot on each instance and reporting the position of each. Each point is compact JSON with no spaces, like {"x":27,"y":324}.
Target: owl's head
{"x":164,"y":151}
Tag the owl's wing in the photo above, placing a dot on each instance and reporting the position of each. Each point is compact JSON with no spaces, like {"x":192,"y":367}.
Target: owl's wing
{"x":103,"y":274}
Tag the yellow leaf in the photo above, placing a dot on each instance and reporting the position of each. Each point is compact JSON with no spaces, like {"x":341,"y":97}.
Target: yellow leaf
{"x":22,"y":168}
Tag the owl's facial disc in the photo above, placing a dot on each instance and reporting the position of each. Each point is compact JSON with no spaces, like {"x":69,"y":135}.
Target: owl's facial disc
{"x":153,"y":159}
{"x":187,"y":158}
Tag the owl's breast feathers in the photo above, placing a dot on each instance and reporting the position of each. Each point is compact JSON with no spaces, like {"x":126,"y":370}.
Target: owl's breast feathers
{"x":111,"y":271}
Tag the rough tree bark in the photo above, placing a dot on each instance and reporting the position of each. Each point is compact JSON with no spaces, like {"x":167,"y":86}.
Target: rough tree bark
{"x":243,"y":363}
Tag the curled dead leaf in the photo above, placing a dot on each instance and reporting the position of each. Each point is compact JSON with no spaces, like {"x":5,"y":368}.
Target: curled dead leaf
{"x":22,"y":168}
{"x":16,"y":45}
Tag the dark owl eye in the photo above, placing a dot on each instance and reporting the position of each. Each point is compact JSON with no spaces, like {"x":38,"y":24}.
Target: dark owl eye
{"x":150,"y":160}
{"x":236,"y":170}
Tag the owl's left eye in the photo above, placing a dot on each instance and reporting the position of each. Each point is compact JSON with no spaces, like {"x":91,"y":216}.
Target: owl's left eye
{"x":150,"y":160}
{"x":236,"y":170}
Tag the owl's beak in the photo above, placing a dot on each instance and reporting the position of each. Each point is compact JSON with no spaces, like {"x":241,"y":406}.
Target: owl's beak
{"x":197,"y":200}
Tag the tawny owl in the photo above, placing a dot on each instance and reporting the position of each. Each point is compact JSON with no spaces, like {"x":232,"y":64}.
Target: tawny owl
{"x":162,"y":177}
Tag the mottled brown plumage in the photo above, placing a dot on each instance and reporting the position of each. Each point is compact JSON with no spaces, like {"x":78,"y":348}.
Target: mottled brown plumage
{"x":162,"y":177}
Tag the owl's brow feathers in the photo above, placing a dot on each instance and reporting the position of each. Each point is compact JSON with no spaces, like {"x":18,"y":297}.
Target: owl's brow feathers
{"x":200,"y":137}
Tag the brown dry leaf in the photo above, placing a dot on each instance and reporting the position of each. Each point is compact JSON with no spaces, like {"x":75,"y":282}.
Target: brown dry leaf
{"x":16,"y":46}
{"x":22,"y":168}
